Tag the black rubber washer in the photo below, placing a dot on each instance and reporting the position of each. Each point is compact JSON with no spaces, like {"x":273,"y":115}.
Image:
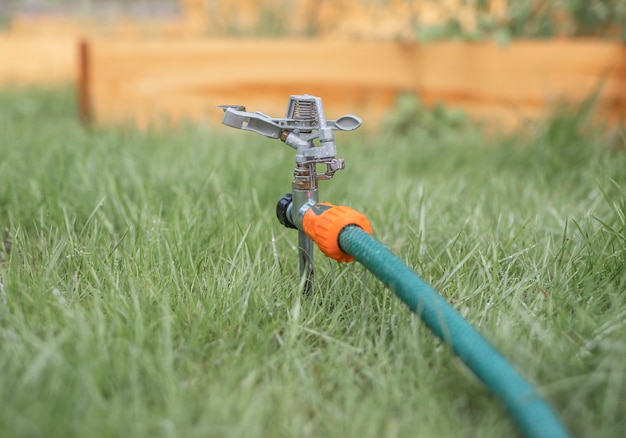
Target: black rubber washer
{"x":281,"y":211}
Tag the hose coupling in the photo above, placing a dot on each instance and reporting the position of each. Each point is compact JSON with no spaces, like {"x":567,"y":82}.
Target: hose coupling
{"x":324,"y":222}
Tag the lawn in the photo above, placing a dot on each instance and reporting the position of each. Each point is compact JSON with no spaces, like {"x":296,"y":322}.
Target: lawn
{"x":147,"y":288}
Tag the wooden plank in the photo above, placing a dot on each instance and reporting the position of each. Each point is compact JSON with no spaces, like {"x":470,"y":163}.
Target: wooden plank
{"x":522,"y":79}
{"x":83,"y":84}
{"x":37,"y":60}
{"x":149,"y":81}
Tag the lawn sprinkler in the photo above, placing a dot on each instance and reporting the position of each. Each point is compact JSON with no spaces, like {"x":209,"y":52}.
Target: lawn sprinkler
{"x":345,"y":234}
{"x":304,"y":123}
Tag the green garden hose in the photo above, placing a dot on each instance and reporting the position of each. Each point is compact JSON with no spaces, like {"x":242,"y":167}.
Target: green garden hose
{"x":344,"y":235}
{"x":531,"y":412}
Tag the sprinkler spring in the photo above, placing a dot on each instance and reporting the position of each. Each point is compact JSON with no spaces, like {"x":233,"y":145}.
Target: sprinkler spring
{"x":303,"y":123}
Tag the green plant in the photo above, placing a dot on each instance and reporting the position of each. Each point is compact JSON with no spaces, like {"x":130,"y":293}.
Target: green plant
{"x":149,"y":291}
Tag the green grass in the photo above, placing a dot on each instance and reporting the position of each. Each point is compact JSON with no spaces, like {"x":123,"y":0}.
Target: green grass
{"x":149,"y":290}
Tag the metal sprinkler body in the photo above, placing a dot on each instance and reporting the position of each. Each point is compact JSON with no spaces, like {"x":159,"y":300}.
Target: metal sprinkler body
{"x":304,"y":122}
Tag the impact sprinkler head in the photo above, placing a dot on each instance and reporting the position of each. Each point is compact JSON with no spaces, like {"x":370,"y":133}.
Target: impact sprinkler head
{"x":305,"y":129}
{"x":304,"y":122}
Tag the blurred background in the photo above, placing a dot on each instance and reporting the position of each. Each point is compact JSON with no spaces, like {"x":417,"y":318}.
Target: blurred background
{"x":99,"y":8}
{"x":420,"y":19}
{"x":501,"y":61}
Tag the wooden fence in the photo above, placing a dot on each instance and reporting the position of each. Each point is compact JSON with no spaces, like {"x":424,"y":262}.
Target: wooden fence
{"x":153,"y":81}
{"x":182,"y":67}
{"x":37,"y":60}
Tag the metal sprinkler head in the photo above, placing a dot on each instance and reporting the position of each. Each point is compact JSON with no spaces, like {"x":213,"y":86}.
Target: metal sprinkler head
{"x":303,"y":124}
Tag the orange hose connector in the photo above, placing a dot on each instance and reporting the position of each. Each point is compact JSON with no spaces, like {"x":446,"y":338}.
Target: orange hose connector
{"x":323,"y":222}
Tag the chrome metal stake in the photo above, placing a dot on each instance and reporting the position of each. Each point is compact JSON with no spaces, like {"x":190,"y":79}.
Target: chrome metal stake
{"x":304,"y":192}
